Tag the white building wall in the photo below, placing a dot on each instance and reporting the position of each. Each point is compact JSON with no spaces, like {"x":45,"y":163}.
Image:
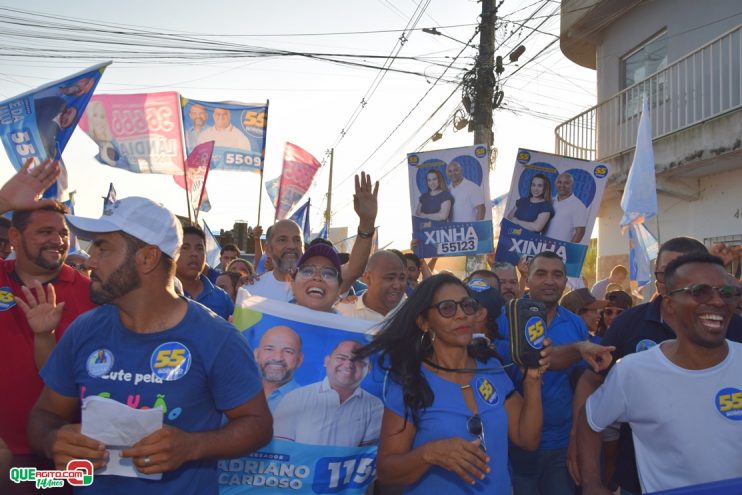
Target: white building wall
{"x":717,"y":213}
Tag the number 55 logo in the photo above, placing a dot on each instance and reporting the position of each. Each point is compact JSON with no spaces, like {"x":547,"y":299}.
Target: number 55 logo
{"x":729,"y":403}
{"x":170,"y":361}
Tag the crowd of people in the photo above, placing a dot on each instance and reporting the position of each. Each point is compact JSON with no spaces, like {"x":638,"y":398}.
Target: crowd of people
{"x":619,"y":395}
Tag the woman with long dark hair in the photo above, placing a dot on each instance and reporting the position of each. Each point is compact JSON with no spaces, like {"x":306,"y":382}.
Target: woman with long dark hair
{"x":450,"y":408}
{"x":533,"y":212}
{"x":436,"y":203}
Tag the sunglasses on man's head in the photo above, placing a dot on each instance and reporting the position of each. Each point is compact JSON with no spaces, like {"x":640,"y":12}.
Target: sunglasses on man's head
{"x":703,"y":293}
{"x":447,"y":308}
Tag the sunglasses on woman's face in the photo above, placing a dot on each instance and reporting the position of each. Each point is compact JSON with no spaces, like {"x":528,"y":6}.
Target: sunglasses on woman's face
{"x":612,"y":312}
{"x":475,"y":427}
{"x":447,"y":308}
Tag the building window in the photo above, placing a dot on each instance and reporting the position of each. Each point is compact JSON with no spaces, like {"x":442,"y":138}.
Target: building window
{"x":637,"y":66}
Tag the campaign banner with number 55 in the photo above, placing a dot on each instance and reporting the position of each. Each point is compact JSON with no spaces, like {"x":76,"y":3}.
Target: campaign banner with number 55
{"x":450,"y":201}
{"x":326,"y":405}
{"x":237,"y":129}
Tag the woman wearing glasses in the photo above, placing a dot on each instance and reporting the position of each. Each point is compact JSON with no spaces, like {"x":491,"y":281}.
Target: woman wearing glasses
{"x":450,"y":408}
{"x":316,"y":281}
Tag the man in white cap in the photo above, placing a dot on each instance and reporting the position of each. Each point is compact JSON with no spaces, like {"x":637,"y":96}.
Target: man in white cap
{"x":169,"y":352}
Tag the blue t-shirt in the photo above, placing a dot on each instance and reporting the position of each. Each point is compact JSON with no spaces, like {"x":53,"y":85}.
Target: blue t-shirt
{"x":446,"y":418}
{"x":194,"y":371}
{"x":556,"y":391}
{"x":528,"y":212}
{"x":214,"y":298}
{"x":432,"y":204}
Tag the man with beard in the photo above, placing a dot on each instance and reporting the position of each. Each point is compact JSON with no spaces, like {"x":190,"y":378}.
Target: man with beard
{"x":199,"y":364}
{"x":510,"y":286}
{"x":284,"y":245}
{"x":335,"y":411}
{"x":40,"y":239}
{"x":278,"y":356}
{"x":199,"y":117}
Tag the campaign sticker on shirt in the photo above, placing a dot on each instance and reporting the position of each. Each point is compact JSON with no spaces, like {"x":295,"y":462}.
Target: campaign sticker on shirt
{"x":99,"y":362}
{"x":7,"y":299}
{"x":535,"y":332}
{"x":487,"y":391}
{"x":645,"y":345}
{"x":729,"y":403}
{"x":170,"y":361}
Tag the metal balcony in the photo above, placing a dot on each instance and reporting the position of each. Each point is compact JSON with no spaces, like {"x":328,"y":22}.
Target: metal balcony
{"x":701,"y":86}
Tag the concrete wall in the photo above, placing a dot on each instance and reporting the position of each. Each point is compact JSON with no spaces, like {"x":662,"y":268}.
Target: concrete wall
{"x":717,"y":212}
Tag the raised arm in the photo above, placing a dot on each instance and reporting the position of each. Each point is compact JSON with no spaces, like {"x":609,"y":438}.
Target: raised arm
{"x":23,"y":190}
{"x":365,"y":203}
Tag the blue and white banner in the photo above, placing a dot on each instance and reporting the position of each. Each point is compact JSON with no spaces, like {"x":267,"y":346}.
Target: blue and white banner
{"x":237,"y":129}
{"x":38,"y":124}
{"x":325,"y":405}
{"x":552,"y":206}
{"x":450,"y":202}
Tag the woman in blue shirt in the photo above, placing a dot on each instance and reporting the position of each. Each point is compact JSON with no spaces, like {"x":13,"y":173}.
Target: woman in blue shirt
{"x":450,"y":408}
{"x":534,"y":212}
{"x":437,"y":202}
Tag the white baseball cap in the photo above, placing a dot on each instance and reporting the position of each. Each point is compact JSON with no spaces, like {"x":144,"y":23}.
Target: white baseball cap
{"x":139,"y":217}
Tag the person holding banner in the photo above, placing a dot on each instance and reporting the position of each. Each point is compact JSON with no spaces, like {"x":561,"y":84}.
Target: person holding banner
{"x":534,"y":211}
{"x":450,"y":409}
{"x":316,"y":280}
{"x":436,"y":203}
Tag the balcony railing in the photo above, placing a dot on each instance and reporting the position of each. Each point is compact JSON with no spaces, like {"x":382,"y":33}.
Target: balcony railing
{"x":698,"y":87}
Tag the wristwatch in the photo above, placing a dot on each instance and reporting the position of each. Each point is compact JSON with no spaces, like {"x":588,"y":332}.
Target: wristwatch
{"x":365,"y":234}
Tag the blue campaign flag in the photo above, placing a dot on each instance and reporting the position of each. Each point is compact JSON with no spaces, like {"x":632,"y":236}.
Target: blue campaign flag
{"x":639,"y":201}
{"x":271,"y":187}
{"x":109,"y":198}
{"x":38,"y":124}
{"x":643,"y":249}
{"x":212,"y":247}
{"x":323,"y":233}
{"x":301,"y":217}
{"x":237,"y":129}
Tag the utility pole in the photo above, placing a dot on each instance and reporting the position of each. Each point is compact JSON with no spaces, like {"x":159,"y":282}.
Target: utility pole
{"x":328,"y":211}
{"x":485,"y":77}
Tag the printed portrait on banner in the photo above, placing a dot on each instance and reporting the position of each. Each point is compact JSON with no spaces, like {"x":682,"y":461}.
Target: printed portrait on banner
{"x":450,"y":201}
{"x":552,"y":206}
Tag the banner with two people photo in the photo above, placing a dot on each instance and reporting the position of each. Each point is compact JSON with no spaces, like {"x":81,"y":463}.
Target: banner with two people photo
{"x":552,"y":205}
{"x":326,"y":405}
{"x":450,"y":202}
{"x":237,"y":129}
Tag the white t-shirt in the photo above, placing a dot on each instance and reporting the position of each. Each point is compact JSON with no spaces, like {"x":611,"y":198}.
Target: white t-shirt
{"x":569,"y":213}
{"x":270,"y":288}
{"x":687,"y":424}
{"x":225,"y":138}
{"x":467,"y":196}
{"x":313,"y":414}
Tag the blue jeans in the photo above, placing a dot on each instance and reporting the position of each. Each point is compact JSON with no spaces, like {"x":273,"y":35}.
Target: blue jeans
{"x":542,"y":472}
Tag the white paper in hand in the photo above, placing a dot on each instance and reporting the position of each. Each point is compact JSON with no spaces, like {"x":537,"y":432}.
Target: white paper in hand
{"x":119,"y":427}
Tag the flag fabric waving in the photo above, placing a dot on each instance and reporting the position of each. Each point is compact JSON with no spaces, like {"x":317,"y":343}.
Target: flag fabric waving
{"x":299,"y":169}
{"x":301,"y":217}
{"x":109,"y":198}
{"x":140,"y":133}
{"x":197,"y":171}
{"x":639,"y":201}
{"x":38,"y":124}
